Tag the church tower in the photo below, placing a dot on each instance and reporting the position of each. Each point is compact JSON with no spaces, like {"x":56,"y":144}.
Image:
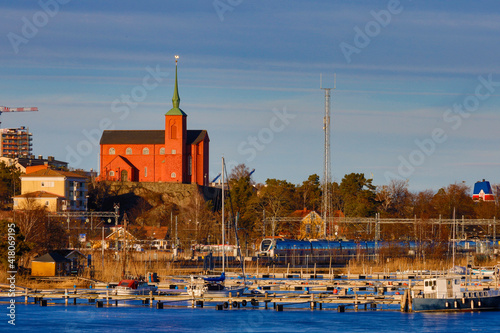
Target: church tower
{"x":175,"y":139}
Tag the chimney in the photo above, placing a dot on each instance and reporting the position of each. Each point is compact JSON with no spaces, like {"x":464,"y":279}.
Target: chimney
{"x":40,"y":157}
{"x":50,"y":158}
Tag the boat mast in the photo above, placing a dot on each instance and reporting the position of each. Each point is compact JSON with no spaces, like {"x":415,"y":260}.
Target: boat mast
{"x":454,"y":235}
{"x":223,"y":222}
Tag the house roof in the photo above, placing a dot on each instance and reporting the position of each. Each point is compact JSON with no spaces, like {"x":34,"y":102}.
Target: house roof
{"x":118,"y":234}
{"x":39,"y":194}
{"x":66,"y":252}
{"x":53,"y":173}
{"x":51,"y":257}
{"x":304,"y":212}
{"x":301,"y":213}
{"x":156,"y":232}
{"x":484,"y":185}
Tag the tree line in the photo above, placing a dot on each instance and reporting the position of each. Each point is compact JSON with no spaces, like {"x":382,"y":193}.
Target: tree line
{"x":251,"y":204}
{"x":353,"y":196}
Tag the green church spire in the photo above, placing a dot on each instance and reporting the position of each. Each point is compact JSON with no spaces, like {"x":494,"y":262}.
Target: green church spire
{"x":176,"y":99}
{"x":175,"y":111}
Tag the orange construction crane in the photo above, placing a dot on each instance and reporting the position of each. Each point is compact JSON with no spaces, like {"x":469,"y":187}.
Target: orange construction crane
{"x":6,"y":109}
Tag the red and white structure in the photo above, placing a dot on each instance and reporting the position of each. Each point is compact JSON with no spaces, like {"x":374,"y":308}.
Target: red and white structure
{"x":7,"y":109}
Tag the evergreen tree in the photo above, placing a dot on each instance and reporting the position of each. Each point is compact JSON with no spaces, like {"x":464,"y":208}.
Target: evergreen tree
{"x":358,"y":195}
{"x":10,"y":184}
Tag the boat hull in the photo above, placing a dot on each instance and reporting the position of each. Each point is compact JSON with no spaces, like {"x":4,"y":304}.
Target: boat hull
{"x":134,"y":292}
{"x":197,"y":292}
{"x":456,"y":304}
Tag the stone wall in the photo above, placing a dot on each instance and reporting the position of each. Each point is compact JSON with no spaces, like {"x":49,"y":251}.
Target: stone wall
{"x":177,"y":193}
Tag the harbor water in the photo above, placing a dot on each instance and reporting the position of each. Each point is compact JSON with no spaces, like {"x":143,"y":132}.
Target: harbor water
{"x":137,"y":318}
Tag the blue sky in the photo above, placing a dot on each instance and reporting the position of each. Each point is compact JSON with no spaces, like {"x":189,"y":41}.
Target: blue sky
{"x":416,"y":95}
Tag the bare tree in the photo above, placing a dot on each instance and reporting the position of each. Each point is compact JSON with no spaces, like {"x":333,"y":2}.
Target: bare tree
{"x":31,"y":218}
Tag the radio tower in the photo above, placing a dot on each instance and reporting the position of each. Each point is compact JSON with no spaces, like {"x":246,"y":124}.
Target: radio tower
{"x":327,"y":172}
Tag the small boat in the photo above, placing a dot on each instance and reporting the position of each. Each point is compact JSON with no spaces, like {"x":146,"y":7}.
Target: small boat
{"x":483,"y":271}
{"x":134,"y":287}
{"x":212,"y":286}
{"x":445,"y":294}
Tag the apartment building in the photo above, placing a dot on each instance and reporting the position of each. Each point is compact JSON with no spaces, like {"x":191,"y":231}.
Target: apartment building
{"x":15,"y":142}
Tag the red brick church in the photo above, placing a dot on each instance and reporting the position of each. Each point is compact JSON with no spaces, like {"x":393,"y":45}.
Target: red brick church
{"x":175,"y":154}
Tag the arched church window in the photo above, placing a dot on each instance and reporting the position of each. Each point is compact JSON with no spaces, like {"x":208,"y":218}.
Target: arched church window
{"x":162,"y":151}
{"x":111,"y":151}
{"x":128,"y":151}
{"x":173,"y":131}
{"x":145,"y":151}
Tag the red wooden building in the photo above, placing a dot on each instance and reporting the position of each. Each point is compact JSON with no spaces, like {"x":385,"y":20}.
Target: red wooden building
{"x":174,"y":154}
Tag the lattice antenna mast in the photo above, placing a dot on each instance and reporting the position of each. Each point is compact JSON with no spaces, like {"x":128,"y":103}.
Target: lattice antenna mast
{"x":327,"y":162}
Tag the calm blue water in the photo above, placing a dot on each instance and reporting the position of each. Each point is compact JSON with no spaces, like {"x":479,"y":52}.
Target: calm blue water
{"x":88,"y":318}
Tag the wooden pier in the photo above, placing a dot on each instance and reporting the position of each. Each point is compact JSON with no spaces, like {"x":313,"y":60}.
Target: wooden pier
{"x":270,"y":291}
{"x":276,"y":301}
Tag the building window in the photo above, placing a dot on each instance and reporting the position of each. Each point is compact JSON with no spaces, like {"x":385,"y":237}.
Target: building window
{"x":145,"y":171}
{"x":190,"y":165}
{"x":47,"y":184}
{"x":145,"y":151}
{"x":162,"y":151}
{"x":173,"y":175}
{"x":46,"y":203}
{"x":111,"y":173}
{"x":111,"y":151}
{"x":174,"y":151}
{"x":128,"y":151}
{"x":308,"y":228}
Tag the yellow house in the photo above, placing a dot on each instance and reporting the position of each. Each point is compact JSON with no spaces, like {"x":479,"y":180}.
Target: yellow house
{"x":57,"y":190}
{"x":312,"y":226}
{"x":50,"y":264}
{"x":39,"y":199}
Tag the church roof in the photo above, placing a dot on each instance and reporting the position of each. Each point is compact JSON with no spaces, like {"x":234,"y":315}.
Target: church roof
{"x":133,"y":137}
{"x":121,"y":158}
{"x":147,"y":137}
{"x":195,"y":136}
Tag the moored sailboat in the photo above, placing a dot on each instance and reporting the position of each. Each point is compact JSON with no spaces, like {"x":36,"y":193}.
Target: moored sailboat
{"x":216,"y":286}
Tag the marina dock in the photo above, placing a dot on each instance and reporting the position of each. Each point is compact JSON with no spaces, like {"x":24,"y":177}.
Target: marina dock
{"x":280,"y":292}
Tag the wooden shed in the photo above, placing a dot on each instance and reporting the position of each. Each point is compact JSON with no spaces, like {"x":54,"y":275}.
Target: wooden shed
{"x":50,"y":264}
